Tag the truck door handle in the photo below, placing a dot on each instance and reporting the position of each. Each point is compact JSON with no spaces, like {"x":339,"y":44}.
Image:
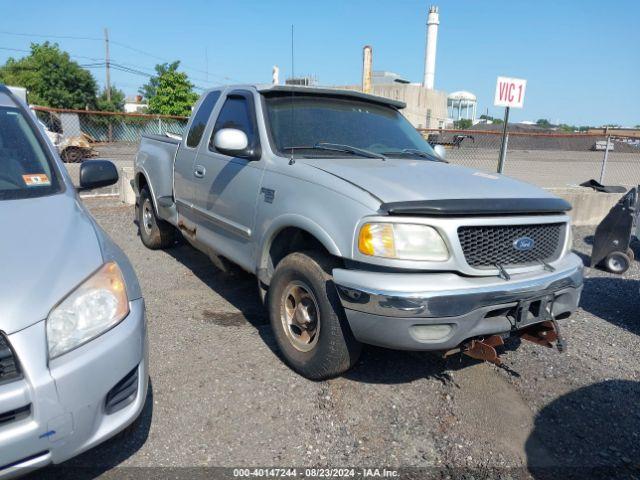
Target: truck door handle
{"x":199,"y":171}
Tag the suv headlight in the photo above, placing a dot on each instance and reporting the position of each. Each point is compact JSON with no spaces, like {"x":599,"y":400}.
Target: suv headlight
{"x":402,"y":241}
{"x":94,"y":307}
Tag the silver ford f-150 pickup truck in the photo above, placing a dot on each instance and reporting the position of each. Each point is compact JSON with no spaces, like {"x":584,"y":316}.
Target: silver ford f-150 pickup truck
{"x":357,"y":231}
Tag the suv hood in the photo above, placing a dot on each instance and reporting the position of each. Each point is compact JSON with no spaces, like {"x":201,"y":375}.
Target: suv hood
{"x":48,"y":246}
{"x":403,"y":180}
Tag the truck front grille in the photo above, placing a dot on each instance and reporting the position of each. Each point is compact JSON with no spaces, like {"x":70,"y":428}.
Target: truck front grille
{"x":9,"y":369}
{"x":488,"y":246}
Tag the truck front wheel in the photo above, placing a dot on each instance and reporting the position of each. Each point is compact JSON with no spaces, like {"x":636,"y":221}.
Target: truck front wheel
{"x":155,"y":233}
{"x":307,"y":318}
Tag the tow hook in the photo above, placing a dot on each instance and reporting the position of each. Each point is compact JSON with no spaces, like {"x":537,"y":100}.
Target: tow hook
{"x":544,"y":334}
{"x":484,"y":349}
{"x":547,"y":332}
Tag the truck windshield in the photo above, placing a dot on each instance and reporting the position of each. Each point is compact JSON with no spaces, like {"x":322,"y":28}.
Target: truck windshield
{"x":302,"y":124}
{"x":25,"y":169}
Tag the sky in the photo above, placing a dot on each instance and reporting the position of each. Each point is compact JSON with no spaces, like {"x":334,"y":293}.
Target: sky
{"x":581,"y":58}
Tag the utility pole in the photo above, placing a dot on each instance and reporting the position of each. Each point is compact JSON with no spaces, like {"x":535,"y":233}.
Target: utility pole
{"x":107,"y":85}
{"x":106,"y":64}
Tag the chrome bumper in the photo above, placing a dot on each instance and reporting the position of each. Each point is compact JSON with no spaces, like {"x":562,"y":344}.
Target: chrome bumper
{"x":384,"y":308}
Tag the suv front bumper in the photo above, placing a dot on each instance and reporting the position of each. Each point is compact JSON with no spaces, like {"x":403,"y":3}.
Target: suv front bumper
{"x":438,"y":311}
{"x":68,"y":396}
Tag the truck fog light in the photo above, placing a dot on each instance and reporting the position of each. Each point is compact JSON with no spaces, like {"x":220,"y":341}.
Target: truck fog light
{"x":429,"y":333}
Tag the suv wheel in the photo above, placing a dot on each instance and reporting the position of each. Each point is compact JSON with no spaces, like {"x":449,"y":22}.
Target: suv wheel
{"x":307,"y":317}
{"x":155,"y":233}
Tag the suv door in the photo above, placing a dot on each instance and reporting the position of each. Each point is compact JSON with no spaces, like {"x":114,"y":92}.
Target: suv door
{"x":228,"y":187}
{"x":184,"y":175}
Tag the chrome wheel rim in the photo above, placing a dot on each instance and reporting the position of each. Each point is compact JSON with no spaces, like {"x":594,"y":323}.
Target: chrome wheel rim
{"x":300,"y":316}
{"x":147,"y":216}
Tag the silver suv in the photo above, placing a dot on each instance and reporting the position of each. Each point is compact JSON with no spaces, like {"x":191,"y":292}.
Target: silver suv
{"x":73,"y":337}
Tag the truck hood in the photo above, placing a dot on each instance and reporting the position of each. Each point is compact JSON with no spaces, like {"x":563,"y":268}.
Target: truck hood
{"x":402,"y":180}
{"x":48,"y":246}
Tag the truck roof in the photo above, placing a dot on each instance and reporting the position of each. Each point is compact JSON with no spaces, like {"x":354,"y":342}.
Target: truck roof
{"x":333,"y":92}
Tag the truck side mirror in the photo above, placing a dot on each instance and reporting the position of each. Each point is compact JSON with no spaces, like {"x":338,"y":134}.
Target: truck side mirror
{"x":440,"y":151}
{"x":96,"y":174}
{"x":231,"y":141}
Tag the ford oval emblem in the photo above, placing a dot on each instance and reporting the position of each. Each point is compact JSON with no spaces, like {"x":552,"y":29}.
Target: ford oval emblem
{"x":523,"y":244}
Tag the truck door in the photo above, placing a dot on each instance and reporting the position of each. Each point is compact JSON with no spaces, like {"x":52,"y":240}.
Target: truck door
{"x":183,"y":177}
{"x":227,"y":187}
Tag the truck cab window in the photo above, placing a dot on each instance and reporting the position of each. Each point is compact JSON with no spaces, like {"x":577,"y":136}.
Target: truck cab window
{"x":200,"y":119}
{"x":235,"y":113}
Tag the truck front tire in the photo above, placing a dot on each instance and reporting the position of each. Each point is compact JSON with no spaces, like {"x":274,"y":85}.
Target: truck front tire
{"x":307,"y":318}
{"x":155,"y":233}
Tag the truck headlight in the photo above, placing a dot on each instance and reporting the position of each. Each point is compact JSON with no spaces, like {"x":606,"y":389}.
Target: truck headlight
{"x":402,"y":241}
{"x":95,"y":306}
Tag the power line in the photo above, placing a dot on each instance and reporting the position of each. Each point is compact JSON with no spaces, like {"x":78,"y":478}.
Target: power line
{"x":70,"y":37}
{"x":120,"y":44}
{"x":22,"y":50}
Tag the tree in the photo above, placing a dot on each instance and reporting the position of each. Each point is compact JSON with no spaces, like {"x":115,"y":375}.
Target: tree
{"x":51,"y":78}
{"x":149,"y":89}
{"x":169,"y":92}
{"x":544,"y":123}
{"x":462,"y":124}
{"x":116,"y":104}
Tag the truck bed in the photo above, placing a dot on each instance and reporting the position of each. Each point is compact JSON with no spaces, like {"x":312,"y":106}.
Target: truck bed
{"x":155,"y":159}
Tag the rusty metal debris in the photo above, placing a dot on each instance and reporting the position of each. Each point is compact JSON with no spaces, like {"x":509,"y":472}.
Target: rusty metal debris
{"x":543,"y":334}
{"x":484,"y":349}
{"x":74,"y":149}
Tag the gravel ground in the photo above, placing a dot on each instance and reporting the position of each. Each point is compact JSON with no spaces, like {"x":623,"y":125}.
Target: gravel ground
{"x":220,"y":395}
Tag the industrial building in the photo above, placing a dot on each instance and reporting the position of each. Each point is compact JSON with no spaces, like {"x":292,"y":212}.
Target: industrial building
{"x":426,"y":107}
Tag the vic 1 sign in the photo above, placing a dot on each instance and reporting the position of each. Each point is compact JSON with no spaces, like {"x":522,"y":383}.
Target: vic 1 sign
{"x":510,"y":92}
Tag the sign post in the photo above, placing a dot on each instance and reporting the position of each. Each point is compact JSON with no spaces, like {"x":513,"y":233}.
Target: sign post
{"x":509,"y":93}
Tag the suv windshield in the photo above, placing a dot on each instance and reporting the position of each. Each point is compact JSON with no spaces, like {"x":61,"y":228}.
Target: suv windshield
{"x":25,"y":170}
{"x":301,"y":124}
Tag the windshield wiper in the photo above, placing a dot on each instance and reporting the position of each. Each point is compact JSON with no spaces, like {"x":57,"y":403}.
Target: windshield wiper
{"x":338,"y":147}
{"x":419,"y":153}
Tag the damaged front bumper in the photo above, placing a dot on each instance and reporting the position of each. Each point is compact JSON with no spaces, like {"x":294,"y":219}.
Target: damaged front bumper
{"x":439,"y":311}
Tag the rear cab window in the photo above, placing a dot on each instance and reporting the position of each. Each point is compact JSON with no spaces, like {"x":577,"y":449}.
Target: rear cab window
{"x":201,"y":118}
{"x":26,"y":170}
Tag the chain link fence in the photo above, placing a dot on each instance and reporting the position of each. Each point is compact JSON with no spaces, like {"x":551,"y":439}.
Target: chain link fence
{"x":546,"y":159}
{"x":80,"y":134}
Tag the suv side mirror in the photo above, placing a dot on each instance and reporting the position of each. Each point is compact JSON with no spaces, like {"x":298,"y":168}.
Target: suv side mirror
{"x":233,"y":142}
{"x":97,"y":173}
{"x":440,"y":151}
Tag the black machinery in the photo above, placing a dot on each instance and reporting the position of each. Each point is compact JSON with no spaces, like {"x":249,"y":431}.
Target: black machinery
{"x":614,"y":234}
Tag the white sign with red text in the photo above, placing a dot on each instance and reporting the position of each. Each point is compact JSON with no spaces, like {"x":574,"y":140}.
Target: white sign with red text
{"x":510,"y":92}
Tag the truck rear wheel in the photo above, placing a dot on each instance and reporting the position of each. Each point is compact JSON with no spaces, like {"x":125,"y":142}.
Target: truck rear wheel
{"x":155,"y":233}
{"x":307,"y":318}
